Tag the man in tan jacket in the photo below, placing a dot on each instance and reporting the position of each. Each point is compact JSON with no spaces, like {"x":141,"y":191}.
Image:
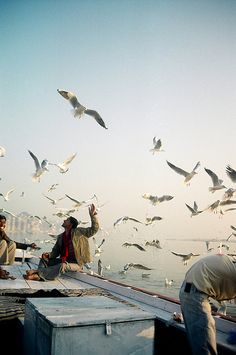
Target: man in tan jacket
{"x":70,"y":252}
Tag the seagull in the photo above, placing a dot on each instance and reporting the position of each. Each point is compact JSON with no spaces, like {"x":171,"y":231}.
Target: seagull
{"x":53,"y":201}
{"x":185,"y":257}
{"x":157,"y":146}
{"x":221,"y":245}
{"x":7,"y":195}
{"x":63,"y":167}
{"x":168,"y":282}
{"x":215,"y":207}
{"x":77,"y":202}
{"x":98,"y":249}
{"x":125,"y":219}
{"x":229,"y":193}
{"x":133,"y":265}
{"x":127,"y":244}
{"x":80,"y":110}
{"x":2,"y":152}
{"x":188,"y":176}
{"x":2,"y":210}
{"x":154,"y":243}
{"x":155,"y":199}
{"x":217,"y":183}
{"x":52,"y":187}
{"x":40,"y":168}
{"x":231,"y":173}
{"x":193,"y":209}
{"x":150,"y":220}
{"x":136,"y":266}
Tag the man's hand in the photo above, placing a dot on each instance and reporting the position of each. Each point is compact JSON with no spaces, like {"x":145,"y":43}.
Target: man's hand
{"x":34,"y":246}
{"x":92,"y":210}
{"x":45,"y":256}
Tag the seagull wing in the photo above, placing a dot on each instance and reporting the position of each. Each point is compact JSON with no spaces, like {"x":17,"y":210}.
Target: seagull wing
{"x":158,"y":144}
{"x":177,"y":254}
{"x":233,"y":228}
{"x":195,"y":206}
{"x":196,"y":166}
{"x":190,"y":208}
{"x":231,"y":173}
{"x":96,"y":116}
{"x":139,"y":266}
{"x":177,"y":170}
{"x":134,"y":220}
{"x":72,"y":199}
{"x":213,"y":176}
{"x":126,"y":244}
{"x":37,"y":165}
{"x":119,"y":220}
{"x":70,"y":96}
{"x":138,"y":246}
{"x":165,"y":198}
{"x":69,"y":160}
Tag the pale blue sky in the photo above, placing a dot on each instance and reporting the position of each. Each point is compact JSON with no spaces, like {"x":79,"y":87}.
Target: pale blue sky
{"x":150,"y":68}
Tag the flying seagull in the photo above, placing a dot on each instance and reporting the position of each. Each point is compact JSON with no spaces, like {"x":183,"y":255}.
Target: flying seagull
{"x":7,"y":195}
{"x":188,"y":176}
{"x":80,"y":110}
{"x":125,"y":219}
{"x":133,"y":265}
{"x":157,"y":146}
{"x":194,"y":210}
{"x":54,"y":201}
{"x":77,"y":202}
{"x":154,"y":243}
{"x":185,"y":257}
{"x":52,"y":187}
{"x":150,"y":220}
{"x":155,"y":199}
{"x":98,"y":249}
{"x":63,"y":167}
{"x":216,"y":207}
{"x":2,"y":210}
{"x":217,"y":183}
{"x":127,"y":244}
{"x":2,"y":152}
{"x":136,"y":266}
{"x":40,"y":168}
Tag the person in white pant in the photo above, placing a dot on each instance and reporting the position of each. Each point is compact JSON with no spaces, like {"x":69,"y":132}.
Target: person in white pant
{"x":8,"y":246}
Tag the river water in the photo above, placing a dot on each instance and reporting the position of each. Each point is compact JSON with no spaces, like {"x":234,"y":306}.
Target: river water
{"x":162,"y":262}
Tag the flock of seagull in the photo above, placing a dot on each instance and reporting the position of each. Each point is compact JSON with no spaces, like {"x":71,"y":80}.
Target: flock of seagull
{"x":42,"y":166}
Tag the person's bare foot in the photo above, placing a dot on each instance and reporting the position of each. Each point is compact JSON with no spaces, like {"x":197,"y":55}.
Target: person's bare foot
{"x":33,"y":277}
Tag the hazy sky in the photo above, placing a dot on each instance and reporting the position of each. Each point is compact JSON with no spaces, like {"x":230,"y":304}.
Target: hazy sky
{"x":150,"y":68}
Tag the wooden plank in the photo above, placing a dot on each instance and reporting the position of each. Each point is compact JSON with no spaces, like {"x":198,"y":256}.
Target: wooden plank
{"x":72,"y":283}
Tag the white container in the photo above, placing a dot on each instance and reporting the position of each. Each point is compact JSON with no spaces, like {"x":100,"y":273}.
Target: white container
{"x":88,"y":325}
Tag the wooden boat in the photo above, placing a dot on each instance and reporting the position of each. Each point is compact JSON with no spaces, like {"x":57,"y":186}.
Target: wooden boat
{"x":169,"y":334}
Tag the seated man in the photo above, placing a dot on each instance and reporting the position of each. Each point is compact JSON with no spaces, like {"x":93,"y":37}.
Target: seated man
{"x":70,"y":252}
{"x":8,"y":246}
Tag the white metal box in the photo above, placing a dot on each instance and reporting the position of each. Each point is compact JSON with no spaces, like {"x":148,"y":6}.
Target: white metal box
{"x":88,"y":325}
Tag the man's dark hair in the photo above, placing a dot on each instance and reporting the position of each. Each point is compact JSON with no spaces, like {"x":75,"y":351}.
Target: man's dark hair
{"x":2,"y":217}
{"x":73,"y":221}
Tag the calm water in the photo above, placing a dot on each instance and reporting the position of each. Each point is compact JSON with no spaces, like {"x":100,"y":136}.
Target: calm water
{"x":162,"y":262}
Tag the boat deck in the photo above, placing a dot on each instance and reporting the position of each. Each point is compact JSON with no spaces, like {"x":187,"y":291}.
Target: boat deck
{"x":82,"y":283}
